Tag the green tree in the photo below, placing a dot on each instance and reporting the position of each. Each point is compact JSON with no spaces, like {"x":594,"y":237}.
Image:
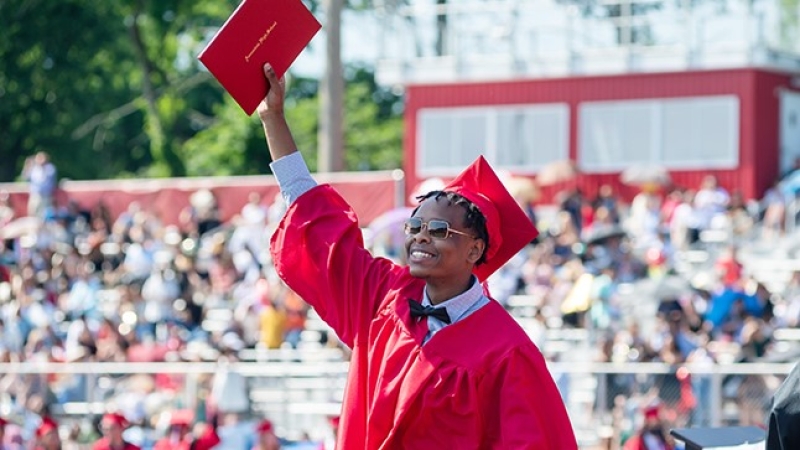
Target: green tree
{"x":105,"y":87}
{"x":373,"y":123}
{"x":164,"y":37}
{"x":234,"y":143}
{"x":113,"y":89}
{"x":51,"y":77}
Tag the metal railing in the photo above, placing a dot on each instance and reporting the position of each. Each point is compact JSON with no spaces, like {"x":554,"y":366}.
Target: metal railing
{"x":544,"y":37}
{"x":298,"y":395}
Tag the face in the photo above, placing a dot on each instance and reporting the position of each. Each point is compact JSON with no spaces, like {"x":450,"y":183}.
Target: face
{"x":433,"y":258}
{"x":113,"y":432}
{"x":652,"y":423}
{"x":177,"y":432}
{"x":269,"y":441}
{"x":50,"y":440}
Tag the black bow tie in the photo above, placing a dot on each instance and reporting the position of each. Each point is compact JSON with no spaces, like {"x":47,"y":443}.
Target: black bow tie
{"x":417,"y":310}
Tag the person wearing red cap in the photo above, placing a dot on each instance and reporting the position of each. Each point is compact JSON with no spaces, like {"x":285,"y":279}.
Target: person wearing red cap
{"x":112,"y":425}
{"x":436,"y":363}
{"x":47,"y":437}
{"x":329,"y":443}
{"x":12,"y":440}
{"x":652,"y":435}
{"x":267,"y":439}
{"x":181,"y":437}
{"x":3,"y":423}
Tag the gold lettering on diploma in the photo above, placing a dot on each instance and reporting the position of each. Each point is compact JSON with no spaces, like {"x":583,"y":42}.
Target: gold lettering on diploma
{"x":260,"y":41}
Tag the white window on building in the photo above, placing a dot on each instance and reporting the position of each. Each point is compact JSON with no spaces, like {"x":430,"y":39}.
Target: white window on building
{"x":701,"y":133}
{"x":519,"y":138}
{"x":683,"y":133}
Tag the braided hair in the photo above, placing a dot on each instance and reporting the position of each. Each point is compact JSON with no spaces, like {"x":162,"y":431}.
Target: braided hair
{"x":473,"y":220}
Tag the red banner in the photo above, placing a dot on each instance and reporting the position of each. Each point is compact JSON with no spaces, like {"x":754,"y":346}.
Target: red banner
{"x":370,"y":193}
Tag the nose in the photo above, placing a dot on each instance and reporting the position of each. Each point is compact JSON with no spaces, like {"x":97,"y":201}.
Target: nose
{"x":422,"y":235}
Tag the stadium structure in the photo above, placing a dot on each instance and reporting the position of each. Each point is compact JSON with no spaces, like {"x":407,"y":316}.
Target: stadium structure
{"x":692,"y":86}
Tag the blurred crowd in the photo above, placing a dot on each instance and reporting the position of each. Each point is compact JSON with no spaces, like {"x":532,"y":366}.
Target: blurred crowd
{"x":81,"y":286}
{"x":600,"y":262}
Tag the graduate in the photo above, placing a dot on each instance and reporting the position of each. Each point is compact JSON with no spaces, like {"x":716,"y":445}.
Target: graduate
{"x":3,"y":437}
{"x":3,"y":423}
{"x":112,"y":425}
{"x":652,"y":435}
{"x":47,"y":437}
{"x":181,"y":437}
{"x":267,"y":439}
{"x":436,"y":363}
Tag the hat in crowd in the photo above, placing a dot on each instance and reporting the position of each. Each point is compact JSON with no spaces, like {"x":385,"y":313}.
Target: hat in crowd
{"x":334,"y":421}
{"x":264,"y":427}
{"x":182,"y":417}
{"x":652,"y":412}
{"x":46,"y":426}
{"x":115,"y":419}
{"x":3,"y":422}
{"x":509,"y":228}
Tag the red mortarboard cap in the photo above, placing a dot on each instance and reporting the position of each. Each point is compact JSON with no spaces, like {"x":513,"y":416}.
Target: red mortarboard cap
{"x":651,"y":412}
{"x":183,"y":417}
{"x":3,"y":422}
{"x":116,"y":419}
{"x":334,"y":421}
{"x":509,"y":228}
{"x":264,"y":427}
{"x":46,"y":426}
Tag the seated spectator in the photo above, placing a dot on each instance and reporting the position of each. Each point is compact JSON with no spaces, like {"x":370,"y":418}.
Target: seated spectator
{"x":180,"y":435}
{"x":267,"y":440}
{"x":47,"y":437}
{"x":6,"y":209}
{"x":728,"y":268}
{"x":710,"y":201}
{"x":112,"y":425}
{"x":774,"y":207}
{"x":272,"y":325}
{"x":653,"y":434}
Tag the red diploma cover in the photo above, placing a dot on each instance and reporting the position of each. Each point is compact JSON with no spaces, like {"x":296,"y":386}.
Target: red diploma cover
{"x":258,"y":31}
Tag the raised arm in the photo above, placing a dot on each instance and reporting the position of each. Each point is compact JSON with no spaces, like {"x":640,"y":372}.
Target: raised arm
{"x":270,"y":111}
{"x":318,"y":248}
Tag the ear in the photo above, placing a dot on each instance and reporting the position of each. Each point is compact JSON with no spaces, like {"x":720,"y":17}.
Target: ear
{"x":476,"y":250}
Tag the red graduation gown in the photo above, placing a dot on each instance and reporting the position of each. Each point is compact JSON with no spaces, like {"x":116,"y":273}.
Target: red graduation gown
{"x":479,"y":383}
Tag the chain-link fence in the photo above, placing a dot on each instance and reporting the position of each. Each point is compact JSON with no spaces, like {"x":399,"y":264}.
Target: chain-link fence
{"x":605,"y":400}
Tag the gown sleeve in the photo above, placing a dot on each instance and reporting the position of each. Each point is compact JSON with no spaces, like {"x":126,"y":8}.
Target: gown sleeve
{"x":318,"y":250}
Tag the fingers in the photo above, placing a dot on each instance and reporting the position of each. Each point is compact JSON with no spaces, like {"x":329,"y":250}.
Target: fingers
{"x":270,"y":74}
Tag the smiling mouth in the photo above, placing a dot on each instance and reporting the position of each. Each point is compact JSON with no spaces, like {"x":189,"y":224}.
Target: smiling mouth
{"x":419,"y":255}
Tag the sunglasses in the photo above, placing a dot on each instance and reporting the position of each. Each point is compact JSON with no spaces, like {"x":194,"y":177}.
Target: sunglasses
{"x":437,"y":229}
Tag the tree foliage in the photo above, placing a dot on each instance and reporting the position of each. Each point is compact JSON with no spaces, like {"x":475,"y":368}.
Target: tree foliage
{"x":113,"y":89}
{"x":61,"y":62}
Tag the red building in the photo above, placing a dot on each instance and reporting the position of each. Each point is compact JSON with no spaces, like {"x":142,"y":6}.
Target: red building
{"x":724,"y":122}
{"x":692,"y":87}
